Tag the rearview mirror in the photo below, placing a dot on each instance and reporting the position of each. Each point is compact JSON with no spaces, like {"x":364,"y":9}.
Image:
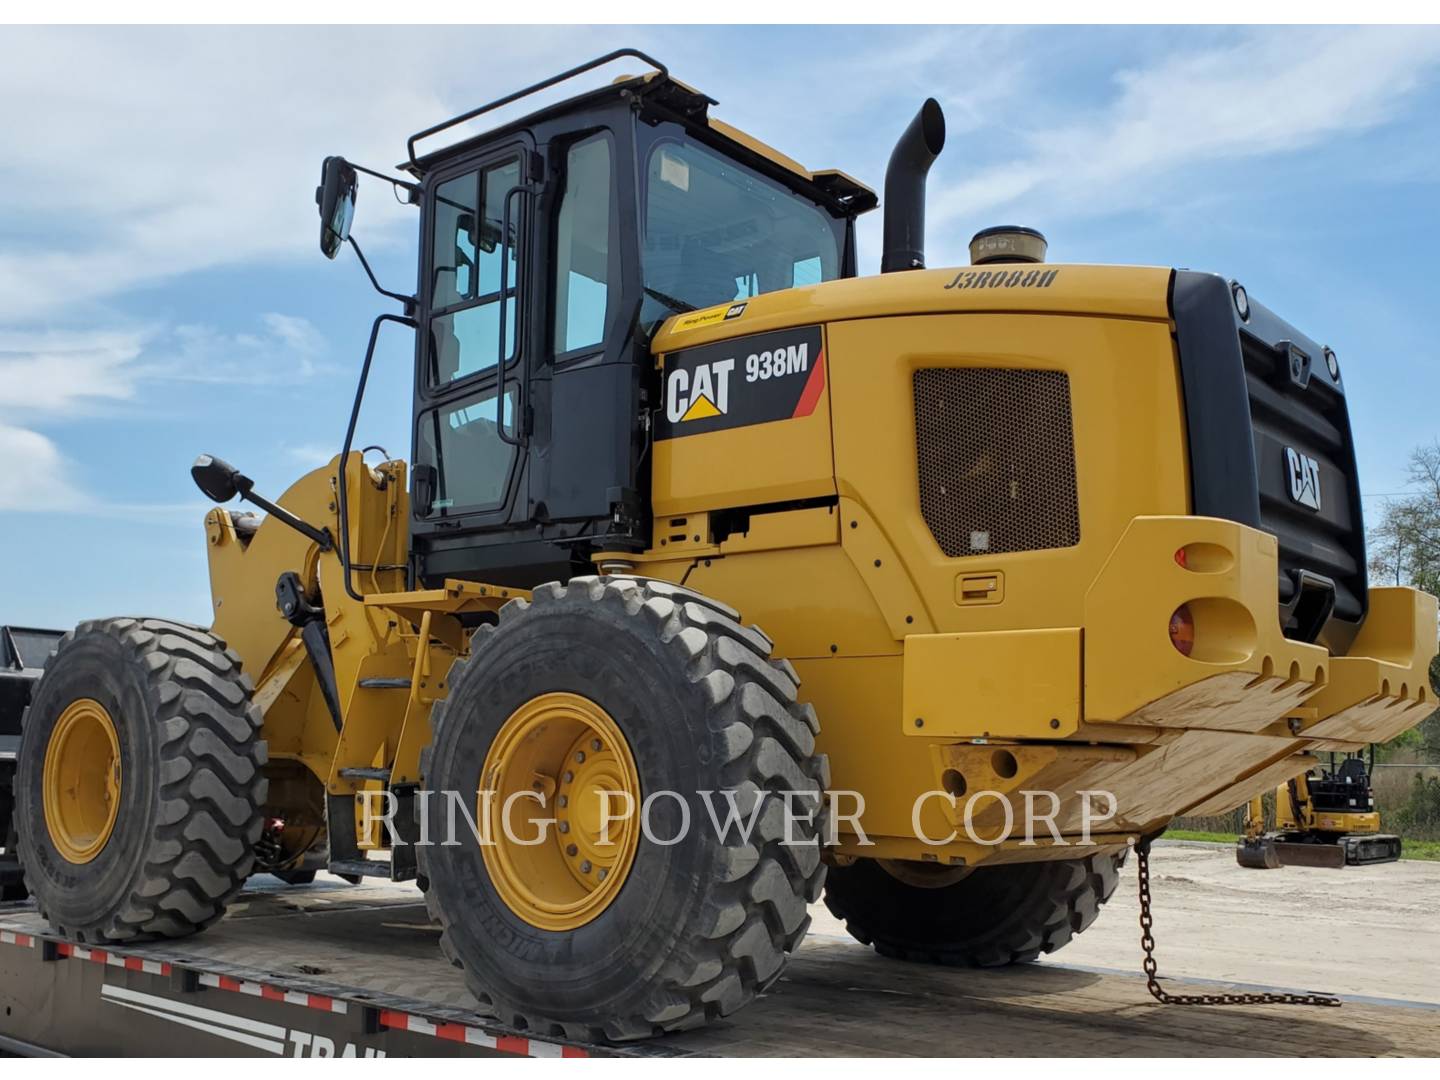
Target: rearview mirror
{"x":218,"y":480}
{"x":336,"y":199}
{"x":422,"y":489}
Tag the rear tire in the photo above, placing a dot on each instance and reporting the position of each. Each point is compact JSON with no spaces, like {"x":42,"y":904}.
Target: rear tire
{"x":991,"y":917}
{"x":698,"y":928}
{"x":190,"y":792}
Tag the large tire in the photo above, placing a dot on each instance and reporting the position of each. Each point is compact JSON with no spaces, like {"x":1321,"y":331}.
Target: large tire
{"x":698,"y":928}
{"x":988,"y":918}
{"x":191,"y":791}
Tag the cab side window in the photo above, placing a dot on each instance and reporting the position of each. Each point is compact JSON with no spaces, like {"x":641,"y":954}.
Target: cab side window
{"x":462,"y":442}
{"x":582,"y":247}
{"x":467,"y":244}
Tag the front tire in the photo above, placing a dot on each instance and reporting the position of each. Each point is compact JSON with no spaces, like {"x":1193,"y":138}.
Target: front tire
{"x":989,"y":917}
{"x":139,"y":794}
{"x":698,"y":927}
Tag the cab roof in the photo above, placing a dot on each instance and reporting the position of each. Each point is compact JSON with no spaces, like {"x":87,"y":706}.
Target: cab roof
{"x":660,"y":90}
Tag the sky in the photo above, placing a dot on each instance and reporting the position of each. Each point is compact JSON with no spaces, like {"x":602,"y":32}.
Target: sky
{"x":162,"y":293}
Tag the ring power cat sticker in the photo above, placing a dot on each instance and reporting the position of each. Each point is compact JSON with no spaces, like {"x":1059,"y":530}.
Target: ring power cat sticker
{"x":750,"y":380}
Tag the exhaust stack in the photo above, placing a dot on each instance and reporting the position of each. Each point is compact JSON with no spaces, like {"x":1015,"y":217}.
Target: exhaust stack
{"x":910,"y":161}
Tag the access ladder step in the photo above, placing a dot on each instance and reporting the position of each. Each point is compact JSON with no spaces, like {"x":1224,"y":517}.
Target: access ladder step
{"x":384,"y":684}
{"x":360,"y":868}
{"x":365,"y":774}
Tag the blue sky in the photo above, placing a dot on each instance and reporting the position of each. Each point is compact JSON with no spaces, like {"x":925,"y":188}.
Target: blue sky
{"x":161,"y":293}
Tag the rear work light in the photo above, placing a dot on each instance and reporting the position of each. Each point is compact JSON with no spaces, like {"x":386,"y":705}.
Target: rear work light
{"x":1182,"y":630}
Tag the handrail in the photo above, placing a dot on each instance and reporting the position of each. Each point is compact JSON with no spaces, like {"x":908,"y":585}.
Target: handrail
{"x":342,"y":493}
{"x":502,"y":355}
{"x":536,"y":88}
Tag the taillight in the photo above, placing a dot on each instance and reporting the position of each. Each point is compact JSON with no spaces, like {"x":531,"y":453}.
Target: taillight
{"x":1181,"y":559}
{"x":1182,"y":630}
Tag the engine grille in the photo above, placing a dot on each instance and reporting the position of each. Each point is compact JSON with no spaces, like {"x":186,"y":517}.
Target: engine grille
{"x":996,"y":454}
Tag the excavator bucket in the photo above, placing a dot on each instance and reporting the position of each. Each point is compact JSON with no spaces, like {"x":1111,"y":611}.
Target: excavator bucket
{"x":1257,"y":854}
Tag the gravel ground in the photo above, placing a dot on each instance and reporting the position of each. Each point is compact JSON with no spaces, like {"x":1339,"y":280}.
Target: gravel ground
{"x":1369,"y":931}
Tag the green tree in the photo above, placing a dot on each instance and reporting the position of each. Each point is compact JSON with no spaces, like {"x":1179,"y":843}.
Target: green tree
{"x":1405,"y":546}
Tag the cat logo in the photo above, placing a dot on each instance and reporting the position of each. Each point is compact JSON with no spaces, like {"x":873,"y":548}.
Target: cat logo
{"x":700,"y":394}
{"x":1304,"y":473}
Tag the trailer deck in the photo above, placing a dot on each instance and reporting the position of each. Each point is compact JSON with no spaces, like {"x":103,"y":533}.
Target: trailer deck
{"x":335,"y":970}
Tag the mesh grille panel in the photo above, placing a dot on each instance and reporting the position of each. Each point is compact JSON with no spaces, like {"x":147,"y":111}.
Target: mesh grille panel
{"x":996,"y":453}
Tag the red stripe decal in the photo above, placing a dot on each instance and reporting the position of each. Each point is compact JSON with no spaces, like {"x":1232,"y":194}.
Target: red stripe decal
{"x":227,"y":983}
{"x":511,"y":1044}
{"x":397,"y":1020}
{"x":100,"y":956}
{"x":25,"y":941}
{"x":269,"y":993}
{"x":319,"y":1001}
{"x":65,"y":949}
{"x":452,"y":1032}
{"x":134,"y":963}
{"x":810,"y":396}
{"x":573,"y":1051}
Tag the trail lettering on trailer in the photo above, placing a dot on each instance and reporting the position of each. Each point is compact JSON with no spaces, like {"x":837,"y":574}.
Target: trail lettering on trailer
{"x":257,"y":1034}
{"x":751,"y":380}
{"x":1003,"y":279}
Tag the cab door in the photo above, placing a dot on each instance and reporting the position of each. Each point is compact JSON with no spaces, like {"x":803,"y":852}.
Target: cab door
{"x":471,"y":358}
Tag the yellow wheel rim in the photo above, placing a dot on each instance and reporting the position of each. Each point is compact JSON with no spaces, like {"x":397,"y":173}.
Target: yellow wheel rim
{"x":559,"y":756}
{"x":82,"y":781}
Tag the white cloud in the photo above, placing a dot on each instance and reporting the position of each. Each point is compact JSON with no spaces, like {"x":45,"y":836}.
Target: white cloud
{"x":50,"y":378}
{"x":1270,"y":91}
{"x":154,"y":151}
{"x":35,"y":476}
{"x":61,"y":372}
{"x":288,"y":350}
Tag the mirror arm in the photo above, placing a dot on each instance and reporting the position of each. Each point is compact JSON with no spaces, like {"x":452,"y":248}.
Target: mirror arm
{"x":412,"y":191}
{"x":407,"y":301}
{"x":321,"y":537}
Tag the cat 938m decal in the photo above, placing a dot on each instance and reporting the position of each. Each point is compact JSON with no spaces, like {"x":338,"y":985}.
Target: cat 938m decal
{"x":743,"y":381}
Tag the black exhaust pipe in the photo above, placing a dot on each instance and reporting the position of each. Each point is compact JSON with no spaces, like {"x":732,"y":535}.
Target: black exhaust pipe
{"x":910,"y":161}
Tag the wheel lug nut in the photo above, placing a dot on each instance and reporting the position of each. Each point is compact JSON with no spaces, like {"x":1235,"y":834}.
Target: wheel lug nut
{"x":603,"y":873}
{"x":564,"y":826}
{"x":585,"y":867}
{"x":569,"y":776}
{"x":579,"y":756}
{"x":595,"y":744}
{"x":572,"y":850}
{"x":564,"y":801}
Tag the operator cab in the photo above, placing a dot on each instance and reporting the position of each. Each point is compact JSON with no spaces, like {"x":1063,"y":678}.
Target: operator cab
{"x":552,"y":248}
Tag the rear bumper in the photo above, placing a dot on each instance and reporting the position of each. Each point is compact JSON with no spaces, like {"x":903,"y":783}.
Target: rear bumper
{"x":1243,"y":674}
{"x":1112,"y":705}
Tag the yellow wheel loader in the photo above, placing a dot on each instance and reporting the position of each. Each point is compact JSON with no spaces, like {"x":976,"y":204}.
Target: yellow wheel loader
{"x":722,"y":578}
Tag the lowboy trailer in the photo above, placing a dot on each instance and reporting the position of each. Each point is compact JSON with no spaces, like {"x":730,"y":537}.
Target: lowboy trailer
{"x":283,"y":976}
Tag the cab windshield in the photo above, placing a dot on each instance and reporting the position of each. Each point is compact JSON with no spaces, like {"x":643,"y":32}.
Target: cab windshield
{"x":716,"y":232}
